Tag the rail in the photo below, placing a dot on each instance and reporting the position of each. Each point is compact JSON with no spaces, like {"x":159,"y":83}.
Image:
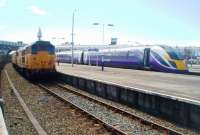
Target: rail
{"x":108,"y":126}
{"x":33,"y":120}
{"x":124,"y":112}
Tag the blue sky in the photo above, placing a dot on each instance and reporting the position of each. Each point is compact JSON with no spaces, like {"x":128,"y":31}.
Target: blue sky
{"x":146,"y":21}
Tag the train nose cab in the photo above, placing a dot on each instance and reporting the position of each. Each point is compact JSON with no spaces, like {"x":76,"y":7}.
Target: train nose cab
{"x":168,"y":59}
{"x":176,"y":59}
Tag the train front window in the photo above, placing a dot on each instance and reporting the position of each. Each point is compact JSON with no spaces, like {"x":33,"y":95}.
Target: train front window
{"x":173,"y":53}
{"x":159,"y":58}
{"x":43,"y":46}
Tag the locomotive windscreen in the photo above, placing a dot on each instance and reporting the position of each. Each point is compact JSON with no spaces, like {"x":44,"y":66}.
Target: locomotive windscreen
{"x":43,"y":46}
{"x":173,"y":53}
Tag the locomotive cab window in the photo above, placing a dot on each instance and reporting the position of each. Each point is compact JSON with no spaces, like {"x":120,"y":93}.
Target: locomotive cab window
{"x":43,"y":46}
{"x":173,"y":53}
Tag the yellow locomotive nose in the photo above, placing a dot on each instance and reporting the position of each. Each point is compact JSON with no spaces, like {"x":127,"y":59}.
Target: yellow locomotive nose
{"x":181,"y":64}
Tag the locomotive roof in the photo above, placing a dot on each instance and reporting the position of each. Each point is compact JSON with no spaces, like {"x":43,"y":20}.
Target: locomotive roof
{"x":41,"y":42}
{"x":116,"y":48}
{"x":35,"y":43}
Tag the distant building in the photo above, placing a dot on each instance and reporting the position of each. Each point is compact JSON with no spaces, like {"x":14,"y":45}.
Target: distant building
{"x":6,"y":46}
{"x":191,"y":54}
{"x":113,"y":41}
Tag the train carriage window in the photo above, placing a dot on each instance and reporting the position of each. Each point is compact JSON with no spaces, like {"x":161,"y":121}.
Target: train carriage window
{"x":121,"y":53}
{"x":131,"y":54}
{"x":23,"y":52}
{"x":28,"y":50}
{"x":23,"y":59}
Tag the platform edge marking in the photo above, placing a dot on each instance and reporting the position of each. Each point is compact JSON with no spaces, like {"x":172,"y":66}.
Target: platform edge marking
{"x":33,"y":120}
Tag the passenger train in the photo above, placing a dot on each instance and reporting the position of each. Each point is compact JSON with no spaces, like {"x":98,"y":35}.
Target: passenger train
{"x":158,"y":57}
{"x":35,"y":59}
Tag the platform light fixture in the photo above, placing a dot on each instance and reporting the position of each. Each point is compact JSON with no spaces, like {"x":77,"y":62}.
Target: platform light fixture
{"x":103,"y":32}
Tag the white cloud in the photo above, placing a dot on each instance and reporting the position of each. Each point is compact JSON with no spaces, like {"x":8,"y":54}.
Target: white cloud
{"x":38,"y":11}
{"x":3,"y":3}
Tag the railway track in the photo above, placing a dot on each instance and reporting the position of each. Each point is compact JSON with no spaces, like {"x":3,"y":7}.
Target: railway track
{"x":124,"y":112}
{"x":53,"y":115}
{"x":149,"y":127}
{"x":108,"y":126}
{"x":29,"y":114}
{"x":3,"y":128}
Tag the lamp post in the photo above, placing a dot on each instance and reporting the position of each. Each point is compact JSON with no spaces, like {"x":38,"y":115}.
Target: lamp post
{"x":73,"y":38}
{"x":103,"y":31}
{"x":58,"y":39}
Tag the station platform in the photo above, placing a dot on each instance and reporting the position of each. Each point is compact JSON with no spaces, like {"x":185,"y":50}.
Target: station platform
{"x":179,"y":86}
{"x":195,"y":69}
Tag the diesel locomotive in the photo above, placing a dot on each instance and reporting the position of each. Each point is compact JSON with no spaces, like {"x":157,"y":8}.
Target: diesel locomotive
{"x":35,"y":59}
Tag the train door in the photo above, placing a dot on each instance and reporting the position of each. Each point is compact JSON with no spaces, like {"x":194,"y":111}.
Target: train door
{"x":146,"y":58}
{"x":23,"y":59}
{"x":82,"y":58}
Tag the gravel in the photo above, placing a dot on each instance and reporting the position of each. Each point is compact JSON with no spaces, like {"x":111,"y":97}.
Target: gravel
{"x":126,"y":124}
{"x":56,"y":117}
{"x":16,"y":120}
{"x":142,"y":114}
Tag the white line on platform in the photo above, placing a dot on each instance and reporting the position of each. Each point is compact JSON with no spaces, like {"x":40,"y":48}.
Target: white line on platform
{"x":33,"y":120}
{"x":3,"y":129}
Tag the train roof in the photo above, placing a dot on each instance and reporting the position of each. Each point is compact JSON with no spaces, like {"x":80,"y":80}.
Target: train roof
{"x":41,"y":41}
{"x":121,"y":48}
{"x":115,"y":48}
{"x":91,"y":47}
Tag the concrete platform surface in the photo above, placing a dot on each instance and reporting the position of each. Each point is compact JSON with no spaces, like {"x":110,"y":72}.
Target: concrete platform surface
{"x":194,"y":68}
{"x":174,"y":85}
